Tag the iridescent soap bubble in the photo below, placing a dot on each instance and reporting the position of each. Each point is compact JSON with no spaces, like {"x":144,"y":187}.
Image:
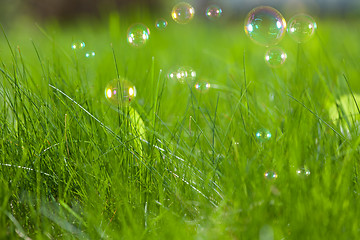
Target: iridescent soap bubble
{"x":77,"y":45}
{"x":265,"y":25}
{"x":303,"y":172}
{"x":90,"y":54}
{"x":213,"y":12}
{"x":301,"y":27}
{"x":171,"y":75}
{"x":263,"y":135}
{"x":182,"y":74}
{"x":202,"y":86}
{"x":138,"y":34}
{"x":182,"y":13}
{"x":120,"y":92}
{"x":275,"y":56}
{"x":270,"y":175}
{"x":161,"y":23}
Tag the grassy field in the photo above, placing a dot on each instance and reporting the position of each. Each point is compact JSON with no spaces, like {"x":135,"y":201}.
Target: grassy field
{"x":177,"y":163}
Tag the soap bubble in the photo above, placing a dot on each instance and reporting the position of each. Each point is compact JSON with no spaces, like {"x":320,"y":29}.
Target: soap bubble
{"x":263,"y":135}
{"x":182,"y":74}
{"x":270,"y":175}
{"x":161,"y":23}
{"x":77,"y":45}
{"x":275,"y":56}
{"x":182,"y":13}
{"x":213,"y":12}
{"x":301,"y":27}
{"x":120,"y":92}
{"x":265,"y":25}
{"x":138,"y":34}
{"x":202,"y":86}
{"x":90,"y":54}
{"x":303,"y":172}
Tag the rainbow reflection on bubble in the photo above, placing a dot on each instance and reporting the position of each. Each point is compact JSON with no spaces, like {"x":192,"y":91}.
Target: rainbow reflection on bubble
{"x":182,"y":74}
{"x":275,"y":56}
{"x":120,"y":92}
{"x":138,"y":34}
{"x":202,"y":86}
{"x":301,"y":27}
{"x":90,"y":54}
{"x":270,"y":175}
{"x":263,"y":135}
{"x":213,"y":12}
{"x":183,"y":13}
{"x":161,"y":24}
{"x":77,"y":45}
{"x":265,"y":25}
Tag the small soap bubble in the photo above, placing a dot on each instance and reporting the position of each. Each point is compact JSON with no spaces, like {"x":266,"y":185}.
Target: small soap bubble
{"x":161,"y":24}
{"x":185,"y":74}
{"x":120,"y":92}
{"x":303,"y":172}
{"x":213,"y":12}
{"x":270,"y":175}
{"x":77,"y":45}
{"x":275,"y":56}
{"x":265,"y":25}
{"x":263,"y":135}
{"x":301,"y":27}
{"x":182,"y":74}
{"x":202,"y":86}
{"x":90,"y":54}
{"x":138,"y":34}
{"x":183,"y":13}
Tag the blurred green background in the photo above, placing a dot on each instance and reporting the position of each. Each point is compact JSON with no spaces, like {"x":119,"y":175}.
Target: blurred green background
{"x":68,"y":10}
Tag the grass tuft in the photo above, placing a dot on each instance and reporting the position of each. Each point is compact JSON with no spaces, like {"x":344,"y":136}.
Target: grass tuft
{"x":177,"y":163}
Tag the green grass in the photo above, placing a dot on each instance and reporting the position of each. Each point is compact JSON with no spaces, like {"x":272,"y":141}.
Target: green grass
{"x":74,"y":166}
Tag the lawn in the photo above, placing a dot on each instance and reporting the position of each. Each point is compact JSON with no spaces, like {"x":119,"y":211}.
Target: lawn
{"x":257,"y":155}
